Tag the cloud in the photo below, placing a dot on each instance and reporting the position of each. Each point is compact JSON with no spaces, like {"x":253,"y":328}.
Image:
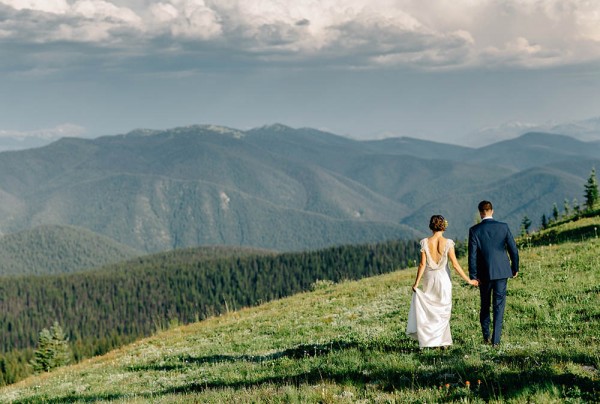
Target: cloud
{"x":62,"y":130}
{"x":48,"y":6}
{"x":189,"y":19}
{"x":522,"y":53}
{"x":426,"y":34}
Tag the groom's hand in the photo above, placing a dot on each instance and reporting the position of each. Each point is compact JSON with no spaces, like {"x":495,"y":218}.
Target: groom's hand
{"x":515,"y":274}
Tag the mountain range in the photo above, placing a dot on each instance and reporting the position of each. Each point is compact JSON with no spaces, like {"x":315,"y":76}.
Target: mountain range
{"x":281,"y":188}
{"x":585,"y":130}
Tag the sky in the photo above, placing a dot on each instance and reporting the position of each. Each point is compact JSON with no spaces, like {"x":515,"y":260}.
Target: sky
{"x":431,"y":69}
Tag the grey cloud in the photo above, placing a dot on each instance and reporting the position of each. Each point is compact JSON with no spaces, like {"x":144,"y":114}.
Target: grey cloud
{"x":63,"y":130}
{"x":214,"y":34}
{"x":271,"y":41}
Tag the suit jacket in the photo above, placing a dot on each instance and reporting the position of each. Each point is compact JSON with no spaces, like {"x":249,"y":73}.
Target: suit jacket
{"x":490,"y":245}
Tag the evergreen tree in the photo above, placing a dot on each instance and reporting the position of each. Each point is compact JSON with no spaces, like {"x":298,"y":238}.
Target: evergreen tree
{"x":591,"y":190}
{"x":525,"y":225}
{"x":53,"y":349}
{"x":576,"y":207}
{"x":555,"y":212}
{"x":544,"y":221}
{"x":566,"y":207}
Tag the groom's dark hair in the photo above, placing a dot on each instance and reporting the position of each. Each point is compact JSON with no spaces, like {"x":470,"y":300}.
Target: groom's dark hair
{"x":485,"y":206}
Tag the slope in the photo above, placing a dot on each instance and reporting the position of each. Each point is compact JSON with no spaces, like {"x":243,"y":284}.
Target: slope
{"x":529,"y":192}
{"x":420,"y":148}
{"x":346,"y":342}
{"x":52,"y":249}
{"x":535,"y":149}
{"x":199,"y":185}
{"x":273,"y":187}
{"x":111,"y":306}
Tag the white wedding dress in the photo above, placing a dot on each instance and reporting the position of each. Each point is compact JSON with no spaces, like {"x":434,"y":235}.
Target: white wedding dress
{"x":430,"y":308}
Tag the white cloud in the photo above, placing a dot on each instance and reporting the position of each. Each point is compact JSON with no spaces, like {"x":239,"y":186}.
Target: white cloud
{"x":194,"y":19}
{"x":103,"y":10}
{"x":164,"y":12}
{"x":48,"y":6}
{"x":83,"y":21}
{"x":522,"y":53}
{"x":587,"y":19}
{"x":354,"y":33}
{"x":62,"y":130}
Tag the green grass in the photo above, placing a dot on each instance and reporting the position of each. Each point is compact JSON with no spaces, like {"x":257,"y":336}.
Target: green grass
{"x":346,"y":343}
{"x":569,"y":229}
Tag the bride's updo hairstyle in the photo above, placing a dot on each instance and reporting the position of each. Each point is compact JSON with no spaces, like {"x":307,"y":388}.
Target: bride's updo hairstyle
{"x":437,"y":223}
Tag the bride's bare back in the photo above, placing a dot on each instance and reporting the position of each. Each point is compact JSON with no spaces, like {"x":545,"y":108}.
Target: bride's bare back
{"x":437,"y":246}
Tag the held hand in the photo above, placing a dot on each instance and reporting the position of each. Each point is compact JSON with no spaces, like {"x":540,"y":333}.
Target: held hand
{"x":474,"y":282}
{"x":414,"y":288}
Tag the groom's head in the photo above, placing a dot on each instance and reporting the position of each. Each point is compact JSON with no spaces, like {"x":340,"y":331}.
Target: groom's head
{"x":485,"y":209}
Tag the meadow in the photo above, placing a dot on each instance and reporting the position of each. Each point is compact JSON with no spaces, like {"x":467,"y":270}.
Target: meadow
{"x":345,"y":342}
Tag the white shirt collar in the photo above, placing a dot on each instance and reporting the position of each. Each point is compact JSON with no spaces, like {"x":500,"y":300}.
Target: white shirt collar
{"x":486,"y":218}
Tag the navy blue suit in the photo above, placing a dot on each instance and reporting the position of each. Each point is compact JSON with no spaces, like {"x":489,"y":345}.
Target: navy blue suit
{"x":490,"y":246}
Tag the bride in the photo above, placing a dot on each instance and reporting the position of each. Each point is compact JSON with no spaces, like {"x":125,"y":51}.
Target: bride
{"x":430,"y":308}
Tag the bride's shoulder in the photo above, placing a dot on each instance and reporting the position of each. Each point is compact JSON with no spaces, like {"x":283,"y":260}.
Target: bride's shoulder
{"x":423,"y":243}
{"x":449,"y":242}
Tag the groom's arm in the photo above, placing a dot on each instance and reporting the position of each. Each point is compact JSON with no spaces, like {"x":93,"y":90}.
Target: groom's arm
{"x":513,"y":252}
{"x":472,"y":255}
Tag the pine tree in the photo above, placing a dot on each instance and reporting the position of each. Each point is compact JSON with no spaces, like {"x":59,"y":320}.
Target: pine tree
{"x":53,"y":349}
{"x":591,"y":190}
{"x":525,"y":224}
{"x":576,"y":208}
{"x":555,"y":212}
{"x":544,"y":221}
{"x":566,"y":207}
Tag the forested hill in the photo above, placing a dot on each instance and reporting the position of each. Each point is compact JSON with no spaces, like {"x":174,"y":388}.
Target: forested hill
{"x":51,"y":249}
{"x":105,"y":308}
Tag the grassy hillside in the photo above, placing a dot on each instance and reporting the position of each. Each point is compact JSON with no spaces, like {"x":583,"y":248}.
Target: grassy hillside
{"x":346,"y":343}
{"x":107,"y":308}
{"x":58,"y":249}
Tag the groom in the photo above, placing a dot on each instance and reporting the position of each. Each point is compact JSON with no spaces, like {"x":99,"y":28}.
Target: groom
{"x":489,"y":243}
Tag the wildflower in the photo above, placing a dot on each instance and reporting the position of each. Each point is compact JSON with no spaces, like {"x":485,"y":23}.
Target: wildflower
{"x":478,"y":382}
{"x":468,"y":384}
{"x":447,"y":385}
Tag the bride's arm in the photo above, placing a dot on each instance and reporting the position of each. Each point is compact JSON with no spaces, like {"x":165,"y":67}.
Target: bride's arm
{"x":420,"y":270}
{"x":458,"y":268}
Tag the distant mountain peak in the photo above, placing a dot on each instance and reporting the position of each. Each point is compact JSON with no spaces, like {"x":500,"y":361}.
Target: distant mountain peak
{"x":584,"y":130}
{"x":224,"y":130}
{"x":143,"y":132}
{"x":276,"y":127}
{"x":190,"y":129}
{"x":544,"y":137}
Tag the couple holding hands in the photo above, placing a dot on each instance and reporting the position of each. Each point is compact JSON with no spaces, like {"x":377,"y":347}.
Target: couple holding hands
{"x":491,"y":244}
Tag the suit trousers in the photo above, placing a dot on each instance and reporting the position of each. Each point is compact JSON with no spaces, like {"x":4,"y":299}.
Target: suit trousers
{"x":492,"y":292}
